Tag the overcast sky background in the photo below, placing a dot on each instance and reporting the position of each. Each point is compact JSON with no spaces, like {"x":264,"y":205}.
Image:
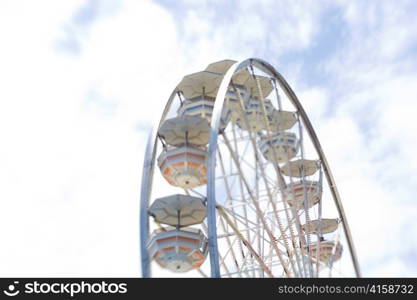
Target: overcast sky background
{"x":82,"y":81}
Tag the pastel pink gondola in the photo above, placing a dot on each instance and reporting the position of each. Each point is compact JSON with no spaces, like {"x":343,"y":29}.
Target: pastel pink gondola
{"x":294,"y":194}
{"x":178,"y":250}
{"x":184,"y":166}
{"x":279,"y":147}
{"x":326,"y":251}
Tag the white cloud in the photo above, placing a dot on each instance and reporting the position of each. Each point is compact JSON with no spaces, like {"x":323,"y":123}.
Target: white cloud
{"x":215,"y":30}
{"x":373,"y":85}
{"x":70,"y":173}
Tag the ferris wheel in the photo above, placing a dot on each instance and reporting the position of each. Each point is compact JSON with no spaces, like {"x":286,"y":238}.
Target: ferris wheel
{"x":236,"y":184}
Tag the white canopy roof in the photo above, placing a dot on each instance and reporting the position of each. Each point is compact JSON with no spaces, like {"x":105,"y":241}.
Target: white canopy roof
{"x":296,"y":168}
{"x":220,"y":66}
{"x":182,"y":210}
{"x":175,"y":131}
{"x":197,"y":84}
{"x":282,"y":120}
{"x":252,"y":86}
{"x":325,"y":225}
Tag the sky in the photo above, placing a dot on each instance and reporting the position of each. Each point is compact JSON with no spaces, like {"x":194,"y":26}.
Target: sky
{"x":82,"y":82}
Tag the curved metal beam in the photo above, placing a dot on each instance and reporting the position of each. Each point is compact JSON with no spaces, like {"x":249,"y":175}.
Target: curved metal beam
{"x":146,"y":188}
{"x":211,"y":167}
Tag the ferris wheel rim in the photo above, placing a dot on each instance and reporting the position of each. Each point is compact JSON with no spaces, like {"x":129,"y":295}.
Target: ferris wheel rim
{"x":326,"y":167}
{"x":150,"y":155}
{"x":146,"y":187}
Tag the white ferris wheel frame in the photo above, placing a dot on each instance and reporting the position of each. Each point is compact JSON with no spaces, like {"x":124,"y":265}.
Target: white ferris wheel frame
{"x":150,"y":155}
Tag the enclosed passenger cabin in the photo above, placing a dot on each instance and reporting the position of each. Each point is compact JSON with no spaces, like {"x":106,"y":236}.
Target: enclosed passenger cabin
{"x":178,"y":250}
{"x":232,"y":99}
{"x":296,"y":192}
{"x":200,"y":90}
{"x":184,"y":166}
{"x":279,"y":147}
{"x":253,"y":119}
{"x":238,"y":79}
{"x":202,"y":106}
{"x":327,"y":252}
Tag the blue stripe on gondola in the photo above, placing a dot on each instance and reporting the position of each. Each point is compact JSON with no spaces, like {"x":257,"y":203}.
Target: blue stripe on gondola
{"x":203,"y":106}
